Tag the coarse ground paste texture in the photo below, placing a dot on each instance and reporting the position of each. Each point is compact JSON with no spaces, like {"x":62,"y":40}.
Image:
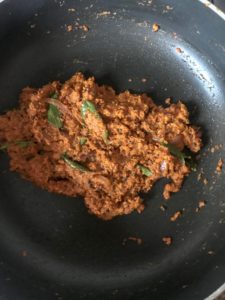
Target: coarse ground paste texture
{"x":79,"y":138}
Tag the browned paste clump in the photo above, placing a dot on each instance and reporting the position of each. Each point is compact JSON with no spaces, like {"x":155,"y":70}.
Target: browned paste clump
{"x":107,"y":155}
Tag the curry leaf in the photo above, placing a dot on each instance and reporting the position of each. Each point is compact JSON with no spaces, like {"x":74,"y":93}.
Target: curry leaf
{"x":176,"y":152}
{"x":191,"y":164}
{"x":83,"y":141}
{"x":54,"y":95}
{"x":23,"y":144}
{"x":54,"y":113}
{"x":105,"y":136}
{"x":54,"y":116}
{"x":4,"y":146}
{"x":145,"y":171}
{"x":89,"y":106}
{"x":186,"y":159}
{"x":74,"y":164}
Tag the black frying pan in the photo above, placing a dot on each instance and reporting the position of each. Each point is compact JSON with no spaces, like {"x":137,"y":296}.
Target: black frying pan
{"x":50,"y":247}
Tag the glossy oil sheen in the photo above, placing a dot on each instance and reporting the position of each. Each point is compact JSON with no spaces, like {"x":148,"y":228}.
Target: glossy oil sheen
{"x":71,"y":254}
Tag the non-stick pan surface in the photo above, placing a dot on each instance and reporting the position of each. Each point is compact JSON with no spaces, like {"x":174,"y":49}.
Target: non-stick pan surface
{"x":50,"y":247}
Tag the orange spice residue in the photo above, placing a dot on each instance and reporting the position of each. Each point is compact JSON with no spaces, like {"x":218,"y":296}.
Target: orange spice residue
{"x":219,"y":166}
{"x":155,"y":27}
{"x":23,"y":253}
{"x":163,"y":207}
{"x":201,"y":204}
{"x":167,"y":240}
{"x":69,"y":28}
{"x":139,"y":241}
{"x":176,"y":216}
{"x":85,"y":28}
{"x":179,"y":50}
{"x":168,"y":101}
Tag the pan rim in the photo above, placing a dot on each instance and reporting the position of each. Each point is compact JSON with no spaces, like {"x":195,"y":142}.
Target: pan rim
{"x":214,"y":8}
{"x":221,"y":14}
{"x":216,"y":293}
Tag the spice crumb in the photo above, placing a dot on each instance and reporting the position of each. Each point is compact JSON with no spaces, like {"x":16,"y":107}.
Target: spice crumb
{"x":85,"y":28}
{"x":219,"y":166}
{"x":176,"y":216}
{"x":23,"y":253}
{"x":179,"y":50}
{"x":205,"y":181}
{"x":71,"y":9}
{"x":168,"y":101}
{"x":212,"y":150}
{"x":169,"y":7}
{"x":155,"y":27}
{"x":103,"y":13}
{"x":139,"y":241}
{"x":201,"y":204}
{"x":199,"y":177}
{"x":129,"y":80}
{"x":144,"y":80}
{"x":167,"y":240}
{"x":218,"y":147}
{"x":69,"y":28}
{"x":163,"y":207}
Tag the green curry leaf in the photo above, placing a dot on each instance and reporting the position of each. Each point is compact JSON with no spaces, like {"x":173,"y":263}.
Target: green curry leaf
{"x":23,"y":144}
{"x":54,"y":113}
{"x":186,"y":159}
{"x":54,"y":116}
{"x":105,"y":136}
{"x":54,"y":95}
{"x":74,"y":164}
{"x":89,"y":106}
{"x":83,"y":141}
{"x":4,"y":146}
{"x":144,"y":170}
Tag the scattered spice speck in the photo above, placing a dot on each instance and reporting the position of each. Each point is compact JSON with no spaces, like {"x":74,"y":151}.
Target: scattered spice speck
{"x":219,"y":166}
{"x":85,"y":28}
{"x":103,"y":13}
{"x":211,"y":252}
{"x":139,"y":241}
{"x":201,"y":204}
{"x":32,"y":26}
{"x":167,"y":240}
{"x":205,"y":181}
{"x":176,"y":216}
{"x":143,"y":80}
{"x":163,"y":207}
{"x":155,"y":27}
{"x":23,"y":253}
{"x":199,"y":177}
{"x":129,"y":80}
{"x":169,"y":7}
{"x":179,"y":50}
{"x":69,"y":28}
{"x":71,"y":9}
{"x":212,"y":150}
{"x":168,"y":101}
